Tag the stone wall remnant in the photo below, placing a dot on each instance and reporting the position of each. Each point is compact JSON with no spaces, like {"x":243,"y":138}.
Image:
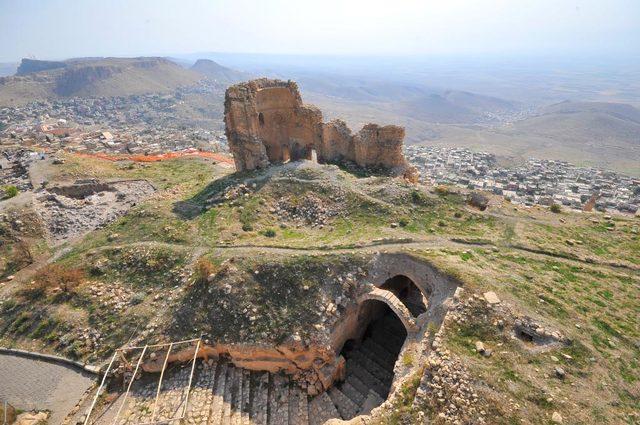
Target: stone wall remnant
{"x":267,"y":123}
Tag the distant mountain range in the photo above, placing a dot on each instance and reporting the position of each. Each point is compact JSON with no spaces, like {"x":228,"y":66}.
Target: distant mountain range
{"x":93,"y":77}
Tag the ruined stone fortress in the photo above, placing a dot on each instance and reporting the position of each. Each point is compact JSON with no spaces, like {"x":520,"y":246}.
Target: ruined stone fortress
{"x":267,"y":123}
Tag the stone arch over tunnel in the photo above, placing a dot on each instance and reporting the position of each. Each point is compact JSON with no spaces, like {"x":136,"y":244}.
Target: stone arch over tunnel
{"x":436,"y":286}
{"x":408,"y":292}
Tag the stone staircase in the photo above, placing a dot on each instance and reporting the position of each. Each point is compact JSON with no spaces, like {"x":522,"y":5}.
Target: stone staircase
{"x":369,"y":369}
{"x":222,"y":394}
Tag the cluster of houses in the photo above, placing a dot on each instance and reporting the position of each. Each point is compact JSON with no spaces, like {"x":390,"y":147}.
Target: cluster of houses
{"x":536,"y":182}
{"x":139,"y":124}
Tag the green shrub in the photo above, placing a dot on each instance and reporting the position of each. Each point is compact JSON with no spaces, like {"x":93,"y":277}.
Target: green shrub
{"x":138,"y":298}
{"x":555,"y":208}
{"x":270,"y":233}
{"x":419,"y":198}
{"x":247,"y":227}
{"x":403,"y":222}
{"x":10,"y":191}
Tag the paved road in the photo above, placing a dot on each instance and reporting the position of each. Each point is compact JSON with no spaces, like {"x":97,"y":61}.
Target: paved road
{"x":35,"y":384}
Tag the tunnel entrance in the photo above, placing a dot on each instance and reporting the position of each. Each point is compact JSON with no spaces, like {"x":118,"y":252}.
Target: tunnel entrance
{"x":370,"y":361}
{"x":407,"y":291}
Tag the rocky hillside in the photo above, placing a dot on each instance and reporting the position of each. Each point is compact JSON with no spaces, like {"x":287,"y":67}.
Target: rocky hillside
{"x":38,"y":80}
{"x":270,"y":256}
{"x":215,"y":71}
{"x":594,"y":124}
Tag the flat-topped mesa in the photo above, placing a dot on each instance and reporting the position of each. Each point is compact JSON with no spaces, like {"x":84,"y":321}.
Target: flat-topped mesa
{"x":267,"y":123}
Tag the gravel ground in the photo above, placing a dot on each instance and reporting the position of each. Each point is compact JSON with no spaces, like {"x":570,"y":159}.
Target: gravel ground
{"x":34,"y":384}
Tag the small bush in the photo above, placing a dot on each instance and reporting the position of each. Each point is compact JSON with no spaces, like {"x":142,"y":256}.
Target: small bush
{"x":419,"y":198}
{"x":407,"y":360}
{"x":478,"y":201}
{"x":555,"y":208}
{"x":403,"y":222}
{"x":10,"y":191}
{"x":138,"y":298}
{"x":56,"y":276}
{"x":247,"y":227}
{"x":270,"y":233}
{"x":203,"y":269}
{"x":441,"y":190}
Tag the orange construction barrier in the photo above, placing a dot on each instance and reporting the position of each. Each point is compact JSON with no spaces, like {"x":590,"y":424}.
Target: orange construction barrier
{"x":159,"y":157}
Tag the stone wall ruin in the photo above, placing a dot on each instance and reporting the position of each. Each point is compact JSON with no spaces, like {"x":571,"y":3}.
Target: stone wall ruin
{"x":267,"y":123}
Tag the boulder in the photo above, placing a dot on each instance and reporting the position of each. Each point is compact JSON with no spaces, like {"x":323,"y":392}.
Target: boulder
{"x":491,"y":297}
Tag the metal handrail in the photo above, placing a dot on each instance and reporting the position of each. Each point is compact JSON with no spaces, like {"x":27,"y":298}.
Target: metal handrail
{"x":124,"y":399}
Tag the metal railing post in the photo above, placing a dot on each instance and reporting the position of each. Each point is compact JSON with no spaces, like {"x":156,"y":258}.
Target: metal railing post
{"x":164,"y":365}
{"x":193,"y":368}
{"x":104,"y":378}
{"x":133,"y":378}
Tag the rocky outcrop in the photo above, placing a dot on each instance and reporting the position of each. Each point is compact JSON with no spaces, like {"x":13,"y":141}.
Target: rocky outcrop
{"x":29,"y":66}
{"x":266,"y":122}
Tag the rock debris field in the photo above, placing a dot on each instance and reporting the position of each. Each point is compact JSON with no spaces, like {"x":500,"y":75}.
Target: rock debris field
{"x":71,"y":211}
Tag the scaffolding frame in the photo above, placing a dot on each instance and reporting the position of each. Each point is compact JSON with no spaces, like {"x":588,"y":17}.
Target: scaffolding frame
{"x":121,"y":352}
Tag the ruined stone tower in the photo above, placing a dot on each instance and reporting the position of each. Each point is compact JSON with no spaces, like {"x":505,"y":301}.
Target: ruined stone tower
{"x":267,"y":123}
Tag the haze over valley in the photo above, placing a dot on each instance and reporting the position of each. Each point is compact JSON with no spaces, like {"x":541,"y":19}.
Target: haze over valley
{"x":275,"y":212}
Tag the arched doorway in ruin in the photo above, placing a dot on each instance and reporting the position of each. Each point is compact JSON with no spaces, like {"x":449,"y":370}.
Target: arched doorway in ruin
{"x":408,"y":292}
{"x":286,"y":154}
{"x":371,"y":349}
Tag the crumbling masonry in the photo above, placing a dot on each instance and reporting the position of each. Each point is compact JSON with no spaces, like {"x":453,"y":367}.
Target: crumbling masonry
{"x":267,"y":123}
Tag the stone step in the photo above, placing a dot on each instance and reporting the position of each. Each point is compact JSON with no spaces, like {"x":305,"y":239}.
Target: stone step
{"x":385,"y":358}
{"x":298,"y":408}
{"x":321,"y":409}
{"x":217,"y":404}
{"x":372,"y":401}
{"x":350,"y":391}
{"x":347,"y":408}
{"x":260,"y":398}
{"x":379,"y":354}
{"x":236,"y":401}
{"x":228,"y":396}
{"x":246,"y":398}
{"x":360,"y":387}
{"x":373,"y":367}
{"x":355,"y":368}
{"x":279,"y":400}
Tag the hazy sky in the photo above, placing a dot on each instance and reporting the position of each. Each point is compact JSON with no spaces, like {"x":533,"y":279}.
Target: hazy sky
{"x":54,"y":29}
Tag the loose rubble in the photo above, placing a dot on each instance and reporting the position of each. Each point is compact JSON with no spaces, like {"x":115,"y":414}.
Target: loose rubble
{"x":70,"y":211}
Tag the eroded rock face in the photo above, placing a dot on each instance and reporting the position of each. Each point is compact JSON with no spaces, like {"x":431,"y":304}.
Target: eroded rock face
{"x":266,"y":122}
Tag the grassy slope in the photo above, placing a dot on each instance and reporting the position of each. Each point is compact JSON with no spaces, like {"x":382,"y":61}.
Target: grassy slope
{"x":554,"y":267}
